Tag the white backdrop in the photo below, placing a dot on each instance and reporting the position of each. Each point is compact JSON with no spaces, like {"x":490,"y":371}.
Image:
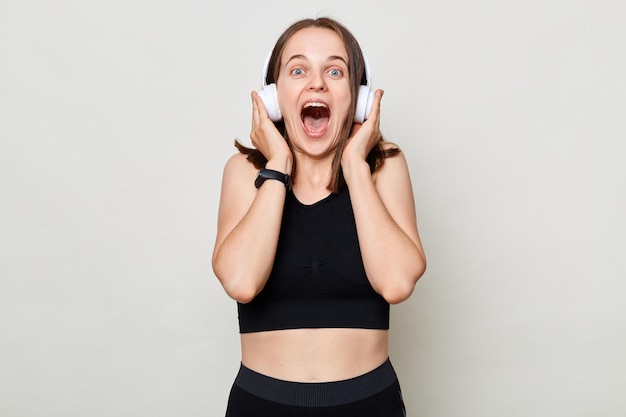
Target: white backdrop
{"x":116,"y":119}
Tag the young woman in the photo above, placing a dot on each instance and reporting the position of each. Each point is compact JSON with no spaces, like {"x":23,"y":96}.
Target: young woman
{"x":317,"y":236}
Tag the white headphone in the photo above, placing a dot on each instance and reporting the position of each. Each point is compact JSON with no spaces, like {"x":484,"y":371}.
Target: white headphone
{"x":269,"y":96}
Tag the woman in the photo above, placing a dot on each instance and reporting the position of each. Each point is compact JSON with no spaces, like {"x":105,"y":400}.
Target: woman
{"x":316,"y":237}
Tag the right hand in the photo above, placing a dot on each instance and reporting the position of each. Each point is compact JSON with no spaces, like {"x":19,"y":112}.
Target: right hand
{"x":264,"y":135}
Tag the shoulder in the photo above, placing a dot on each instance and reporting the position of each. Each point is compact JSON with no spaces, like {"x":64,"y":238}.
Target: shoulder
{"x":387,"y":145}
{"x":239,"y":162}
{"x":238,"y":178}
{"x":239,"y":167}
{"x":393,"y":175}
{"x":394,"y":163}
{"x":393,"y":183}
{"x":237,"y":192}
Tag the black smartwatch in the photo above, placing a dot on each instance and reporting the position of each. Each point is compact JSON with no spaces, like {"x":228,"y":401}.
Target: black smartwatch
{"x":270,"y":174}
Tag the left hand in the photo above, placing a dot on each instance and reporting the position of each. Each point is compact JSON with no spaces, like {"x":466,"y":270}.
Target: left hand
{"x":364,"y":135}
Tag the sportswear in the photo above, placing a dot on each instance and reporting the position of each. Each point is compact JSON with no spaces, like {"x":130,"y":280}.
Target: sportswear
{"x":318,"y":279}
{"x":373,"y":394}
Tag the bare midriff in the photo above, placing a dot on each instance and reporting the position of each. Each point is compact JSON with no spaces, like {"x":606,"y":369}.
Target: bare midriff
{"x":314,"y":355}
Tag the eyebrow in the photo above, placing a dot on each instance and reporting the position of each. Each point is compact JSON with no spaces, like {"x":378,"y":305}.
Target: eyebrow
{"x":330,"y":58}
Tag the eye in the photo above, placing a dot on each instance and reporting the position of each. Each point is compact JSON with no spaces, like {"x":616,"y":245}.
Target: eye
{"x":297,"y":71}
{"x":335,"y":72}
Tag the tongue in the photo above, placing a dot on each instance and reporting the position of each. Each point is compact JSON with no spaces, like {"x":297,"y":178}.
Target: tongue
{"x":315,"y":125}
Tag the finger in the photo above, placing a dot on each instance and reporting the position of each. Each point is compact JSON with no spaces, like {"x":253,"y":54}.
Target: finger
{"x":255,"y":108}
{"x":260,"y":106}
{"x":375,"y":112}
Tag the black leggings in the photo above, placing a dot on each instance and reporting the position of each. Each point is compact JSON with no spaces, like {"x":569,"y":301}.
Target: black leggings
{"x":374,"y":394}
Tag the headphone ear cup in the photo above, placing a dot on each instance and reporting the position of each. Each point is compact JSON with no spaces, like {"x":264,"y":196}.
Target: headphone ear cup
{"x":269,"y":95}
{"x":363,"y":104}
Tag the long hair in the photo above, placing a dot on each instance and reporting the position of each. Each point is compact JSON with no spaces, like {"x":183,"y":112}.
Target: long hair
{"x":357,"y":76}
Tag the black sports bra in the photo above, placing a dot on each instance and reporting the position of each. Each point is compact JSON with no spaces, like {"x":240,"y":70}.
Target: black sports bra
{"x":318,"y":279}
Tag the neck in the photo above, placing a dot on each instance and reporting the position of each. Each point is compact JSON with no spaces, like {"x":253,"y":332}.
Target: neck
{"x":311,"y":179}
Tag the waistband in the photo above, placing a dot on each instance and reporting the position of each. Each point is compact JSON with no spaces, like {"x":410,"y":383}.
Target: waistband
{"x":316,"y":394}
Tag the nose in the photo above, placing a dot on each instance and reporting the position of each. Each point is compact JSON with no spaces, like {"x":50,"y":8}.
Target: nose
{"x":317,"y":82}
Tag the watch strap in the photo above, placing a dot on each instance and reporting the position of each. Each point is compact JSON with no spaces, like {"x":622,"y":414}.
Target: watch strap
{"x":270,"y":174}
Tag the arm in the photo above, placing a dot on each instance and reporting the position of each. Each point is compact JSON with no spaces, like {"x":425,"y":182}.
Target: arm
{"x":249,"y":219}
{"x":384,"y":212}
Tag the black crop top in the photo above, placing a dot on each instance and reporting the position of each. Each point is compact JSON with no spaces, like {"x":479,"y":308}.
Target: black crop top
{"x":318,"y":279}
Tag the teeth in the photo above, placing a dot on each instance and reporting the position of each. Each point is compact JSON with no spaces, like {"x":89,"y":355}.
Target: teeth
{"x":314,"y":104}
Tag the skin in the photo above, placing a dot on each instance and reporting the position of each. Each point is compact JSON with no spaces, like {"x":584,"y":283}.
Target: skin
{"x":314,"y":67}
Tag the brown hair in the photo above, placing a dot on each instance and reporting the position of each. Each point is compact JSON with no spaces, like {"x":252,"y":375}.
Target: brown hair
{"x":357,"y":76}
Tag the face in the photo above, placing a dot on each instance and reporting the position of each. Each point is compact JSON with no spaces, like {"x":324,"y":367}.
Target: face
{"x":314,"y":89}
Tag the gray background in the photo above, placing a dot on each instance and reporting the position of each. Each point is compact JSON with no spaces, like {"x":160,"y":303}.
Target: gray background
{"x":116,"y":119}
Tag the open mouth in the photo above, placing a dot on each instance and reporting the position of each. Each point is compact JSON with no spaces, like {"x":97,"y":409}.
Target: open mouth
{"x":315,"y":116}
